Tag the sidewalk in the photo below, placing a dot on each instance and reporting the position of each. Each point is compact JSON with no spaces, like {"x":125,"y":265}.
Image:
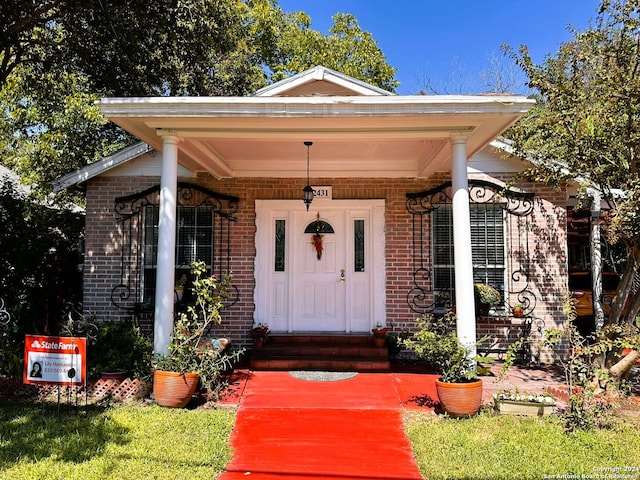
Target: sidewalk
{"x":290,"y":428}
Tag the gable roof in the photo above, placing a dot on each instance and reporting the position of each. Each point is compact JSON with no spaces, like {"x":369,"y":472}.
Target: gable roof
{"x":95,"y":169}
{"x":357,"y":130}
{"x":318,"y":81}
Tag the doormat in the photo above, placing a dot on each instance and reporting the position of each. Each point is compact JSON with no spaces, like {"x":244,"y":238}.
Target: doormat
{"x":313,"y":376}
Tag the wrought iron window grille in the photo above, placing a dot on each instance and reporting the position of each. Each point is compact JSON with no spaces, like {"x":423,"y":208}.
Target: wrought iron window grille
{"x":518,"y":210}
{"x":130,"y":211}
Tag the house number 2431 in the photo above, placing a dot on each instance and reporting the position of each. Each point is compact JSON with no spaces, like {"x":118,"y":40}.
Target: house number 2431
{"x":322,"y":192}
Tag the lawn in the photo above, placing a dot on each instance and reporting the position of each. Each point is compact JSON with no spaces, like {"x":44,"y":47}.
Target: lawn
{"x":119,"y":442}
{"x":134,"y":441}
{"x":492,"y":446}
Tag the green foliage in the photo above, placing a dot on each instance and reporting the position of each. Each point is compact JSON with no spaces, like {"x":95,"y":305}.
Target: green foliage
{"x":587,"y":412}
{"x":190,"y":350}
{"x":346,"y":48}
{"x":38,"y":268}
{"x":50,"y":125}
{"x":486,"y":294}
{"x":585,"y":126}
{"x":437,"y":343}
{"x":589,"y":384}
{"x":58,"y":59}
{"x":10,"y":351}
{"x":135,"y":48}
{"x":586,"y":409}
{"x":125,"y":442}
{"x":120,"y":346}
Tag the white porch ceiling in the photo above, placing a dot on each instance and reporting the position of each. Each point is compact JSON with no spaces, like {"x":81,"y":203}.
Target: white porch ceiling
{"x":353,"y":136}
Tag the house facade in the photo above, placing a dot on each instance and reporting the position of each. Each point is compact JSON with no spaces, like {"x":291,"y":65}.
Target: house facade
{"x":398,"y":182}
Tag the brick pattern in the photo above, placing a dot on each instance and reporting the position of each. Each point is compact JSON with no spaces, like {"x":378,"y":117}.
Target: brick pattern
{"x":548,"y":265}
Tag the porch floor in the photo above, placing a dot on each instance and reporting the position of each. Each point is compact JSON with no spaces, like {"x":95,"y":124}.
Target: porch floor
{"x":320,"y":351}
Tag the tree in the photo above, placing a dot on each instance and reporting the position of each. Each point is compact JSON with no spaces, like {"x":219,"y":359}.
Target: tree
{"x":586,"y":127}
{"x":50,"y":125}
{"x":39,"y":274}
{"x":347,"y":49}
{"x":127,"y":47}
{"x":500,"y":76}
{"x":58,"y":56}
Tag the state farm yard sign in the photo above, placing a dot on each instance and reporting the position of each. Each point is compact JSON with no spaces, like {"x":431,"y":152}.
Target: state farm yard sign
{"x":56,"y":360}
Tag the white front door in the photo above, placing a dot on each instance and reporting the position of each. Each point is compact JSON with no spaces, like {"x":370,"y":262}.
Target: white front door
{"x":319,"y":281}
{"x":344,"y":289}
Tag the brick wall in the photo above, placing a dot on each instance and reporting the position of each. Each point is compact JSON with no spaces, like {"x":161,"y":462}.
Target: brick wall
{"x":104,"y":242}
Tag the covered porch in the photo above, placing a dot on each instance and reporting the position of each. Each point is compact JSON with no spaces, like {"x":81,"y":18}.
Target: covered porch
{"x":358,"y":132}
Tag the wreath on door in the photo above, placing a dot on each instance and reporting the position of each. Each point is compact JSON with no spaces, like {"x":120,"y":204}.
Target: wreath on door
{"x":316,"y":241}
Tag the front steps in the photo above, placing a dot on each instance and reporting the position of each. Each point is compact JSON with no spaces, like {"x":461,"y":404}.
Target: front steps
{"x":320,"y":351}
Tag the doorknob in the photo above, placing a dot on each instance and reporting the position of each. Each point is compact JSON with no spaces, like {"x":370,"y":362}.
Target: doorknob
{"x":342,"y":277}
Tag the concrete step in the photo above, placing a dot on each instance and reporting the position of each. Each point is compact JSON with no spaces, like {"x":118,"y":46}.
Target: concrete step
{"x":317,"y":351}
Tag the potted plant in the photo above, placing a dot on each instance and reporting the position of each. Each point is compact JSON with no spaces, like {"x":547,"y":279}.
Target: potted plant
{"x":458,"y":388}
{"x":486,"y":297}
{"x":259,"y":334}
{"x":179,"y":288}
{"x":395,"y":343}
{"x":120,"y":350}
{"x":517,"y":310}
{"x":525,"y":404}
{"x":193,"y":357}
{"x":379,"y":335}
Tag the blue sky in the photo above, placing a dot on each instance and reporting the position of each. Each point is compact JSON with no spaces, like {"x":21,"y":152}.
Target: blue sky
{"x":441,"y":38}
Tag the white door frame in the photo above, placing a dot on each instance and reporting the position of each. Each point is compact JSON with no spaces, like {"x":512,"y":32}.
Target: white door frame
{"x":273,"y":296}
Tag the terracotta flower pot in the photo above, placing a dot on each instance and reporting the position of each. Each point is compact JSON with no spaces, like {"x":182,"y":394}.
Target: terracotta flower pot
{"x":173,"y":389}
{"x":460,"y":399}
{"x":179,"y":293}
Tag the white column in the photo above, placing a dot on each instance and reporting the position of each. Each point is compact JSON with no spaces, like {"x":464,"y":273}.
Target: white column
{"x":165,"y":272}
{"x":596,"y":257}
{"x":465,"y":305}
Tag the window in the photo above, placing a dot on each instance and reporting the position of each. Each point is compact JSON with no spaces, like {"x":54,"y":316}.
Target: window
{"x":487,"y":246}
{"x":194,"y":241}
{"x":279,"y":246}
{"x":358,"y":245}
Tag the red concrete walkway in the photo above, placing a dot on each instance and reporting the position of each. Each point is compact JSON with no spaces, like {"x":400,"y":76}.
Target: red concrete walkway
{"x":352,"y":429}
{"x":287,"y":428}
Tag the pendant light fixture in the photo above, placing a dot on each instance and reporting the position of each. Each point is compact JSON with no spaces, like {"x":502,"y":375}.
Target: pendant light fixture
{"x":307,"y":192}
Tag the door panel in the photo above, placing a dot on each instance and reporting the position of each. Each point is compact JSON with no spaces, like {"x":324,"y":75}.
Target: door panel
{"x":318,"y":295}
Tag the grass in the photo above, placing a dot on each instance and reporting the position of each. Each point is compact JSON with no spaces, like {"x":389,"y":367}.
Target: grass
{"x":493,"y":446}
{"x":146,"y":441}
{"x":119,"y":442}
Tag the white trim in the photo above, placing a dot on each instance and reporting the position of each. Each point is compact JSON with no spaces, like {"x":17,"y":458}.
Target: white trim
{"x":273,"y":107}
{"x":320,"y":73}
{"x":269,"y":210}
{"x":97,"y":168}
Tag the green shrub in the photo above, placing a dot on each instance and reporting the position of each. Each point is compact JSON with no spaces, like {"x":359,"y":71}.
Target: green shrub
{"x":437,"y":344}
{"x":486,"y":294}
{"x":190,"y":350}
{"x":120,"y":346}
